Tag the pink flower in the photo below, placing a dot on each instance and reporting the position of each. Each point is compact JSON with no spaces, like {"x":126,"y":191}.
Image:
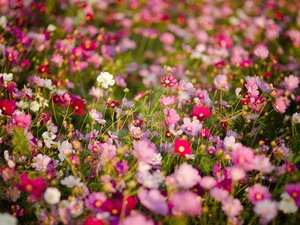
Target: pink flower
{"x":279,"y":105}
{"x":261,"y":51}
{"x":22,"y":120}
{"x":186,"y":176}
{"x":191,"y":128}
{"x":167,"y":100}
{"x":262,"y":164}
{"x":237,"y":173}
{"x":267,"y":210}
{"x":258,"y":193}
{"x":171,"y":116}
{"x":167,"y":38}
{"x":219,"y":194}
{"x":153,"y":200}
{"x":208,"y":182}
{"x":144,"y":150}
{"x":291,"y":83}
{"x":243,"y":157}
{"x":136,"y":219}
{"x":40,"y":162}
{"x":231,"y":206}
{"x":34,"y":187}
{"x":221,"y":82}
{"x":186,"y":203}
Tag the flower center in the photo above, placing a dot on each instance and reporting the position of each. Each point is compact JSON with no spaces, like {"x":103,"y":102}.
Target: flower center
{"x":181,"y":149}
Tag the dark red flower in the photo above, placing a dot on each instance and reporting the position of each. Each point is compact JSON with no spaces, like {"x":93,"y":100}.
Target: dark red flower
{"x":112,"y":104}
{"x":89,"y":17}
{"x":34,"y":187}
{"x":25,"y":63}
{"x":7,"y":107}
{"x":182,"y":147}
{"x":43,"y":69}
{"x":78,"y":106}
{"x":201,"y":112}
{"x":88,"y":45}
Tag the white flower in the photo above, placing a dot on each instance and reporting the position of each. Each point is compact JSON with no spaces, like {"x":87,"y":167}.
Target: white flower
{"x":51,"y":27}
{"x":287,"y":204}
{"x":70,"y":181}
{"x":6,"y":219}
{"x":7,"y":76}
{"x":266,"y":209}
{"x":106,"y":79}
{"x":9,"y":159}
{"x":21,"y":104}
{"x":41,"y":162}
{"x":156,"y":159}
{"x":34,"y":106}
{"x":48,"y":138}
{"x":52,"y":195}
{"x":3,"y":22}
{"x":48,"y":84}
{"x":64,"y":148}
{"x":296,"y":118}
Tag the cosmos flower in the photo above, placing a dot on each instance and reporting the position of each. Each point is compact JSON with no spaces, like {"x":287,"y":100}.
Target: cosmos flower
{"x":182,"y":147}
{"x":106,"y":79}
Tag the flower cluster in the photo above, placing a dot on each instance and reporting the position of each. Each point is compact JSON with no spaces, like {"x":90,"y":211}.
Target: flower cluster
{"x":149,"y":112}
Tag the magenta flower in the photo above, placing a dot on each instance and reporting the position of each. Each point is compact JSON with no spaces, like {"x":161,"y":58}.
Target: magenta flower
{"x":201,"y":112}
{"x":154,"y":201}
{"x":168,"y":81}
{"x":144,"y":150}
{"x":32,"y":186}
{"x":294,"y":191}
{"x":185,"y":203}
{"x":94,"y":201}
{"x":258,"y":193}
{"x":186,"y":176}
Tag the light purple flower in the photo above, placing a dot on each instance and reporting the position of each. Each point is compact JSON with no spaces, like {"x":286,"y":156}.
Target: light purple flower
{"x":144,"y":150}
{"x":261,"y":51}
{"x":191,"y":128}
{"x":232,"y":207}
{"x":291,"y":83}
{"x":97,"y":116}
{"x":221,"y":82}
{"x":137,"y":219}
{"x":41,"y":162}
{"x":186,"y":203}
{"x":267,"y":210}
{"x":153,"y":200}
{"x":186,"y":176}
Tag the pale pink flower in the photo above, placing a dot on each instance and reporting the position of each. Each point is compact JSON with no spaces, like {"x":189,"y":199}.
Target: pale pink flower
{"x":186,"y":203}
{"x":153,"y":200}
{"x":186,"y":176}
{"x":232,"y":207}
{"x":266,"y":209}
{"x":41,"y":162}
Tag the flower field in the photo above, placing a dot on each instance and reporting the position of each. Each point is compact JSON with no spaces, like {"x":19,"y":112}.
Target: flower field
{"x":149,"y":112}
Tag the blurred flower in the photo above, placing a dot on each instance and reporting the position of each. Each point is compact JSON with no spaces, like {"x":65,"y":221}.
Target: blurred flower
{"x":32,"y":186}
{"x":70,"y":181}
{"x":294,"y":191}
{"x":106,"y":79}
{"x":266,"y":209}
{"x":182,"y":147}
{"x":185,"y":203}
{"x":52,"y":195}
{"x":40,"y":162}
{"x":153,"y":200}
{"x":6,"y":218}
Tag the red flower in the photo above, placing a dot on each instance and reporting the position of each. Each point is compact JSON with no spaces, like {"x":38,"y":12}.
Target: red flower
{"x":182,"y":147}
{"x":88,"y":45}
{"x":7,"y":107}
{"x":78,"y":106}
{"x":201,"y":112}
{"x":43,"y":69}
{"x":34,"y":187}
{"x":92,"y":221}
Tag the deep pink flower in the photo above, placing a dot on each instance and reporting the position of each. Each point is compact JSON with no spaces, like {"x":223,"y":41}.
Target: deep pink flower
{"x":11,"y":55}
{"x":182,"y":147}
{"x":92,"y":221}
{"x":168,"y":81}
{"x":34,"y":186}
{"x":201,"y":112}
{"x":224,"y":41}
